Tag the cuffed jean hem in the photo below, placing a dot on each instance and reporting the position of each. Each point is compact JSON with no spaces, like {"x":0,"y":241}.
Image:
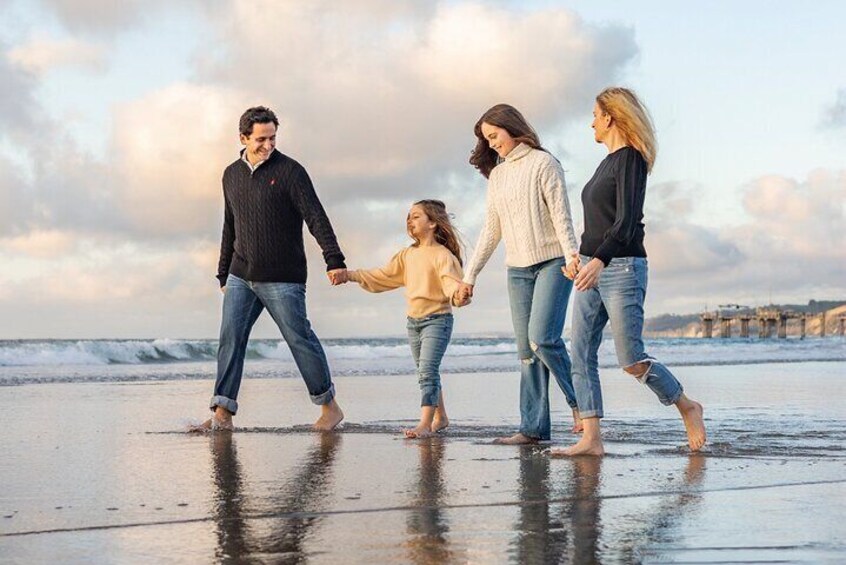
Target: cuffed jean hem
{"x":230,"y":405}
{"x":430,"y":396}
{"x":324,"y":398}
{"x":591,"y":414}
{"x":535,"y":435}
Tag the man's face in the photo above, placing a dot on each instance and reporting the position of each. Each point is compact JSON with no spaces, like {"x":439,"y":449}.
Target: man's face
{"x":261,"y":142}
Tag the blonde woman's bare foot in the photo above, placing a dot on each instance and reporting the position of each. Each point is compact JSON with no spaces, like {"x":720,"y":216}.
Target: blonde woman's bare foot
{"x":330,"y":416}
{"x":578,"y":426}
{"x":421,"y":431}
{"x":516,"y":439}
{"x":582,"y":447}
{"x":439,"y":424}
{"x":694,"y":423}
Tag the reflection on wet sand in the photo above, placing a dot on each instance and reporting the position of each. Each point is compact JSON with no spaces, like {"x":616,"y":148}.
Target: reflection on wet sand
{"x":303,"y":492}
{"x":556,"y":532}
{"x":427,"y":525}
{"x":660,"y":523}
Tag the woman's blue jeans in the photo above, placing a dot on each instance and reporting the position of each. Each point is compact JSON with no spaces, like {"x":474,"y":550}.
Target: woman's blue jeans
{"x":243,"y":301}
{"x":617,"y":298}
{"x":538,"y":296}
{"x":428,"y":338}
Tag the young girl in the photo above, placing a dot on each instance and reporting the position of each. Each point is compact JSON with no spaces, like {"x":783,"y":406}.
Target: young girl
{"x":430,"y":271}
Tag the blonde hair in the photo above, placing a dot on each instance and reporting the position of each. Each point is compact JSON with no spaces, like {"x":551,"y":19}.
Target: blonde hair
{"x":632,"y":120}
{"x":445,"y":232}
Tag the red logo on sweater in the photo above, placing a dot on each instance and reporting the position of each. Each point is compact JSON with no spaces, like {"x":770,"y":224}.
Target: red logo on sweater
{"x":272,"y":182}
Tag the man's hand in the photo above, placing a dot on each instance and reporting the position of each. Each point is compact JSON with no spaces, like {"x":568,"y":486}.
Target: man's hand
{"x":223,"y":290}
{"x":338,"y":276}
{"x":588,"y":276}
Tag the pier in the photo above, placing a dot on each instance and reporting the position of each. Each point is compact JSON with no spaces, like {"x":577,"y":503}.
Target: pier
{"x":767,"y":321}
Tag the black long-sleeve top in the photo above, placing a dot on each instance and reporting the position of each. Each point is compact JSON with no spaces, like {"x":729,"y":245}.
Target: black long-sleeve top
{"x":613,"y":206}
{"x":265,"y":209}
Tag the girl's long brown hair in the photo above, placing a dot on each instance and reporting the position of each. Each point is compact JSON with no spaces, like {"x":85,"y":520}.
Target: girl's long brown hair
{"x":511,"y":120}
{"x":445,"y":232}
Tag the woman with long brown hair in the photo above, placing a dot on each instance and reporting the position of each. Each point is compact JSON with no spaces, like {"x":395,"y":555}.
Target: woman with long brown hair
{"x":612,"y":270}
{"x":430,"y":271}
{"x":527,"y":206}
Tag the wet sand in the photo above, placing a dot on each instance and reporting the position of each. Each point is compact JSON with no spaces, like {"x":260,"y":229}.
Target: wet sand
{"x":103,"y":473}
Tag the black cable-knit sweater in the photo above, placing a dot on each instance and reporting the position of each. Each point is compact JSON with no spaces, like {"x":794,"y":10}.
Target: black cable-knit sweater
{"x":263,"y":222}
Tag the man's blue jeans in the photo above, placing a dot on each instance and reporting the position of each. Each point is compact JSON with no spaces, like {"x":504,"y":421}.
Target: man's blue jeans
{"x":242,"y":303}
{"x":619,"y":298}
{"x":538,"y":296}
{"x":428,"y":338}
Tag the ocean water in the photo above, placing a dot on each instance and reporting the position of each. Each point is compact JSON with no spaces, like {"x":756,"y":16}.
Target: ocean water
{"x":43,"y":361}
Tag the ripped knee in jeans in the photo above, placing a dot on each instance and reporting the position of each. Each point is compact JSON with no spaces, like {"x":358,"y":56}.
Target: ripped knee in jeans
{"x":639,"y":370}
{"x":528,"y":360}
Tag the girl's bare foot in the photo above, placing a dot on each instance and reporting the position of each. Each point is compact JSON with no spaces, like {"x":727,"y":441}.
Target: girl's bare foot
{"x":330,"y":416}
{"x":578,"y":426}
{"x":516,"y":439}
{"x":422,"y":430}
{"x":692,"y":415}
{"x":440,"y":423}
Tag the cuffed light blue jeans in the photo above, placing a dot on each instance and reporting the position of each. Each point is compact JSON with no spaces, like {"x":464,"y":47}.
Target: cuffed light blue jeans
{"x":538,"y":297}
{"x":429,"y":337}
{"x":617,"y":298}
{"x":242,"y":303}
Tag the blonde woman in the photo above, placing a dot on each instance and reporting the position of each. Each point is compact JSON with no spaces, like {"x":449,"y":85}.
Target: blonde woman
{"x":612,"y":271}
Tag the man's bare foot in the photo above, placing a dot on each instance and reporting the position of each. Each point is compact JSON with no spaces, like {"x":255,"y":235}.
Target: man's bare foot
{"x":421,"y":431}
{"x":516,"y":439}
{"x":330,"y":416}
{"x":214,"y":424}
{"x":578,"y":426}
{"x":440,"y":423}
{"x":691,"y":412}
{"x":582,"y":447}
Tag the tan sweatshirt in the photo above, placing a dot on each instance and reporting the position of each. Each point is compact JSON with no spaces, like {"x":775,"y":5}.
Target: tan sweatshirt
{"x":430,"y":275}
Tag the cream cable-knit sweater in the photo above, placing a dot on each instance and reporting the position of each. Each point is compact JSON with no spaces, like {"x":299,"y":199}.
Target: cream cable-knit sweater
{"x":527,"y":206}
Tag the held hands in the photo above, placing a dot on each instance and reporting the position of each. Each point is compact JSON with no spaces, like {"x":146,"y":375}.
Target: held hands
{"x":588,"y":276}
{"x":338,"y":276}
{"x":572,"y":268}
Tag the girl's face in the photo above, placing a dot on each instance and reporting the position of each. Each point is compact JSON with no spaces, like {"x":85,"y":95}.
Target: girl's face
{"x":498,"y":139}
{"x":601,"y":124}
{"x":418,"y":223}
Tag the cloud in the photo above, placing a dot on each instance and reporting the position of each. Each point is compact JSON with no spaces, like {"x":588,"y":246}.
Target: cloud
{"x":17,"y":102}
{"x":834,"y":116}
{"x":102,"y":16}
{"x":44,"y":54}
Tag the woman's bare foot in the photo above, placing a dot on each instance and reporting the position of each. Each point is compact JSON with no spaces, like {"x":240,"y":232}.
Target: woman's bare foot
{"x":422,"y":430}
{"x":692,"y":414}
{"x":516,"y":439}
{"x":578,"y":426}
{"x":590,"y":444}
{"x":581,"y":447}
{"x":330,"y":416}
{"x":440,"y":423}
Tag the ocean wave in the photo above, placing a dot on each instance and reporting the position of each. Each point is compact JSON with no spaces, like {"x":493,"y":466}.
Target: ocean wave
{"x":362,"y":354}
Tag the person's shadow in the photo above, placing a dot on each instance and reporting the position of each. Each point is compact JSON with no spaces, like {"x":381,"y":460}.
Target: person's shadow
{"x":303,"y":492}
{"x":563,"y":531}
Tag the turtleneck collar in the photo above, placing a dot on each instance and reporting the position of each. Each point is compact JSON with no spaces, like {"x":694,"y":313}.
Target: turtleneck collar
{"x":518,"y":152}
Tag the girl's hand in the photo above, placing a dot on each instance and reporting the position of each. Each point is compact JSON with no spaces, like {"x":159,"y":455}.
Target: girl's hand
{"x":465,"y":291}
{"x":588,"y":277}
{"x":572,"y":268}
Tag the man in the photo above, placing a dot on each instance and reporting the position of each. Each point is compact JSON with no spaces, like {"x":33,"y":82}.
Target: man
{"x":267,"y":198}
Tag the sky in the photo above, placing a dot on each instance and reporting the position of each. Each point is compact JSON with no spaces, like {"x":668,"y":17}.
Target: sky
{"x":117,"y":120}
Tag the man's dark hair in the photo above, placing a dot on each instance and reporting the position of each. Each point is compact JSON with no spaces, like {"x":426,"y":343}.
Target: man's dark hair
{"x":256,"y":115}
